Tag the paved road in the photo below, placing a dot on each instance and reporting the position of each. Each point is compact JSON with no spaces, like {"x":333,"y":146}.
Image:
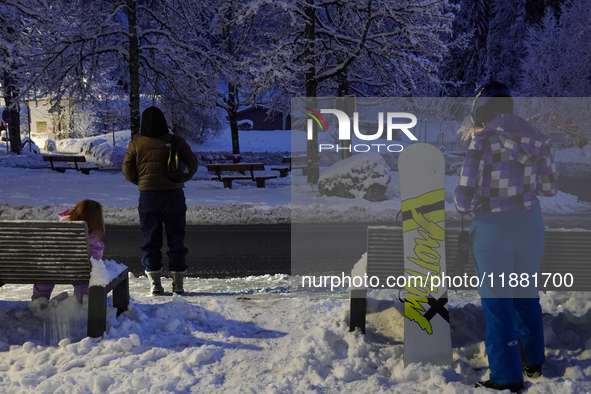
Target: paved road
{"x":580,"y":187}
{"x":229,"y":251}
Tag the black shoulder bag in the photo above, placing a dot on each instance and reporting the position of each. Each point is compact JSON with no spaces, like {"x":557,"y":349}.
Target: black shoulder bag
{"x":177,"y":170}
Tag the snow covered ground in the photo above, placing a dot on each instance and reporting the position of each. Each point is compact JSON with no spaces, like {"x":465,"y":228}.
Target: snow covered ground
{"x":255,"y":334}
{"x":35,"y":193}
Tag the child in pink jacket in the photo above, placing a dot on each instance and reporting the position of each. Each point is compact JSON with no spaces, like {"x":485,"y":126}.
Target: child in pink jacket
{"x":92,"y":213}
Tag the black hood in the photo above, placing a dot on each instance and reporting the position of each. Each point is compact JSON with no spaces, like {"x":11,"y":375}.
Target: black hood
{"x":153,"y":123}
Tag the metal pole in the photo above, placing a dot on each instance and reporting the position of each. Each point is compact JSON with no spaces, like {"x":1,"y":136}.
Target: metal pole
{"x":113,"y":134}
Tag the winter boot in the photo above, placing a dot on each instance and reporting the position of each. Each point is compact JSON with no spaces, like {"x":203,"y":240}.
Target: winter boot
{"x":513,"y":387}
{"x":532,"y":371}
{"x":155,"y":283}
{"x":177,"y":281}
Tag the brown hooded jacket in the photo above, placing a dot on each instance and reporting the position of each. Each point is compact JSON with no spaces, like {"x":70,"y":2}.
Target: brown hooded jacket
{"x":147,"y":156}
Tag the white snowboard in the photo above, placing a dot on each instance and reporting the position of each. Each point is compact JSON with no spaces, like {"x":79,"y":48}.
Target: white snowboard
{"x":427,"y":338}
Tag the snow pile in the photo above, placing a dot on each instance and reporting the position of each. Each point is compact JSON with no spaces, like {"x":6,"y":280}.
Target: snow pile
{"x":574,"y":155}
{"x":24,"y":160}
{"x":104,"y":271}
{"x":27,"y":159}
{"x":99,"y":149}
{"x":562,"y":203}
{"x":364,"y":175}
{"x":105,"y":155}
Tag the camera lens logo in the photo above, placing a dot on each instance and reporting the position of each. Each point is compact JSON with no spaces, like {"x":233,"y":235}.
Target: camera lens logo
{"x":317,"y":117}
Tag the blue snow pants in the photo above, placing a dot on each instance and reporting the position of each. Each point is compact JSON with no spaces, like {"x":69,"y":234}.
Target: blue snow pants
{"x":158,"y":210}
{"x":504,"y":243}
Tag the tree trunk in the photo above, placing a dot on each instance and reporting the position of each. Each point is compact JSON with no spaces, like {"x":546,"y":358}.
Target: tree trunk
{"x":311,"y":87}
{"x":232,"y":99}
{"x":232,"y":108}
{"x":343,"y":91}
{"x":134,"y":70}
{"x":14,"y":126}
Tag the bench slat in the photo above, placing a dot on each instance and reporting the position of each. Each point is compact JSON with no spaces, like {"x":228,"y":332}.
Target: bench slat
{"x":65,"y":276}
{"x":62,"y":241}
{"x":47,"y":230}
{"x":236,"y":167}
{"x":42,"y":233}
{"x":15,"y":270}
{"x":40,"y":245}
{"x":42,"y":223}
{"x":32,"y":259}
{"x":43,"y":249}
{"x":23,"y":228}
{"x":63,"y":158}
{"x":25,"y":280}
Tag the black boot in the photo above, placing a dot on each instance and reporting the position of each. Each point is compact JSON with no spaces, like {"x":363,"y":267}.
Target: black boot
{"x":513,"y":387}
{"x":532,"y":371}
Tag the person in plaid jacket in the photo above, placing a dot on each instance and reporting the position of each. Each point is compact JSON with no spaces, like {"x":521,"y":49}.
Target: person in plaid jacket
{"x":508,"y":164}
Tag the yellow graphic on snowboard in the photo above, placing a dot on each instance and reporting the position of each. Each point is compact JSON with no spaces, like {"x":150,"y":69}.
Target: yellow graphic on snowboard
{"x":421,"y":215}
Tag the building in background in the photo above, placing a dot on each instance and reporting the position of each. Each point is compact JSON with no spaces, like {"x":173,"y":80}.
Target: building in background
{"x":259,"y":118}
{"x":46,"y":124}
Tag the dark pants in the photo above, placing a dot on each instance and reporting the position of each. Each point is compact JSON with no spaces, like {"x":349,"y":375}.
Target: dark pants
{"x":168,"y":209}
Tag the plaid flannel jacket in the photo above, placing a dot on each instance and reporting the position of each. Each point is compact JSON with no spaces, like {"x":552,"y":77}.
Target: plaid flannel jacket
{"x":508,"y":164}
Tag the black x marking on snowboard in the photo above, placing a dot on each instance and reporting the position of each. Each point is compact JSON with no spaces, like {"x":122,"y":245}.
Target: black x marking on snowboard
{"x":437,"y":306}
{"x":425,"y":209}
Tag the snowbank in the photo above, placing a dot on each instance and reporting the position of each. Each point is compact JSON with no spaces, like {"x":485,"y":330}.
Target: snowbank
{"x":255,"y":335}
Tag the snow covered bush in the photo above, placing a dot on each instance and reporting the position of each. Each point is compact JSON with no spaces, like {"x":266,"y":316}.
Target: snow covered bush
{"x":365,"y":175}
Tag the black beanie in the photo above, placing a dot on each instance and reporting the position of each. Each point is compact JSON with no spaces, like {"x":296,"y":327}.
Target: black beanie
{"x":153,"y":123}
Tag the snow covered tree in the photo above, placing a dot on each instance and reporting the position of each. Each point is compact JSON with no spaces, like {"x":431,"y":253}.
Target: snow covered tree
{"x":367,"y":46}
{"x":466,"y":62}
{"x":149,"y":47}
{"x":19,"y":20}
{"x":240,"y":35}
{"x":505,"y":46}
{"x":558,"y":64}
{"x":558,"y":61}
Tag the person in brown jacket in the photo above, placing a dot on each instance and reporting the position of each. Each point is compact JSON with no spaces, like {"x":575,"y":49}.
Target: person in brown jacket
{"x":162,"y":200}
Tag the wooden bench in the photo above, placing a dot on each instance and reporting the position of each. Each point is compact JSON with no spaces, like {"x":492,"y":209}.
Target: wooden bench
{"x":34,"y":252}
{"x":243,"y":168}
{"x":295,"y":163}
{"x":69,"y":159}
{"x":219,"y":159}
{"x":564,"y":252}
